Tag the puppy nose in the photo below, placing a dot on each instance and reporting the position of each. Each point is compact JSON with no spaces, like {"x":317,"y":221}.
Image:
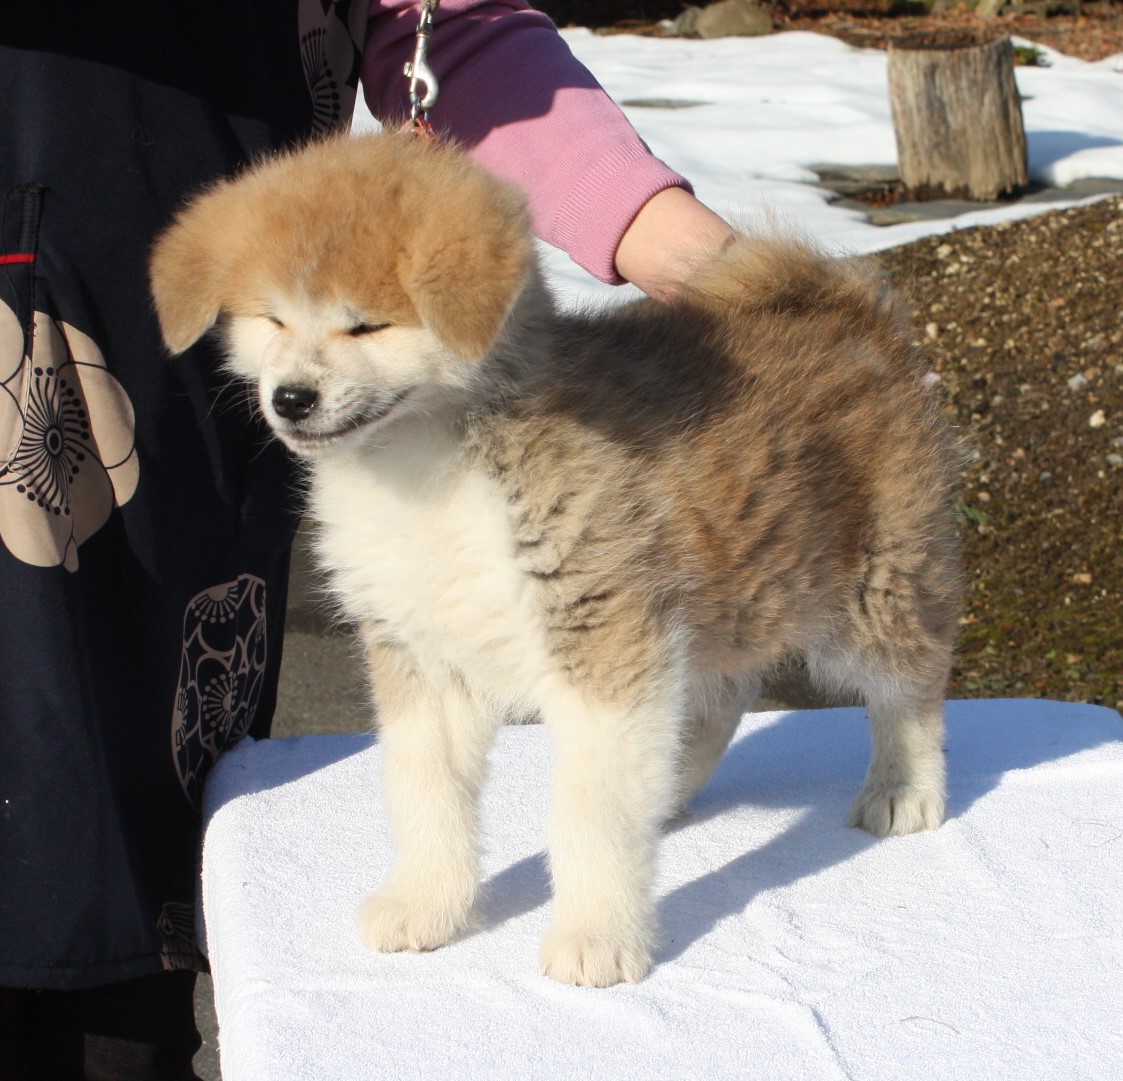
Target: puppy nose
{"x":294,"y":403}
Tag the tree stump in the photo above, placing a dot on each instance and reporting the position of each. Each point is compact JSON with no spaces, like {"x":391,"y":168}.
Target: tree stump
{"x":957,"y":116}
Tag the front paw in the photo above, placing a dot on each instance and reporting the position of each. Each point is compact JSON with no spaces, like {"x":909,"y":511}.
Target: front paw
{"x":892,"y":810}
{"x":594,"y":958}
{"x":389,"y":922}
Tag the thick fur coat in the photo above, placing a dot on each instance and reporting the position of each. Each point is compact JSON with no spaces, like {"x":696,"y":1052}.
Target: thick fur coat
{"x":618,"y":521}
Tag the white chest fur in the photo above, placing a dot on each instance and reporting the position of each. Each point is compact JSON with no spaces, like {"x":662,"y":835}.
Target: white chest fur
{"x":420,"y":543}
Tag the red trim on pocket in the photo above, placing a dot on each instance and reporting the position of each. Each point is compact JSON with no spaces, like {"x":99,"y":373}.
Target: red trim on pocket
{"x":17,"y":257}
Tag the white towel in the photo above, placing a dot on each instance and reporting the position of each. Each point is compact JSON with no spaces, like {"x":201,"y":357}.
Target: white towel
{"x":794,"y":947}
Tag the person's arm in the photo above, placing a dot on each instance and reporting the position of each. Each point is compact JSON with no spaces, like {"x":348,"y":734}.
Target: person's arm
{"x":671,"y":235}
{"x":515,"y":96}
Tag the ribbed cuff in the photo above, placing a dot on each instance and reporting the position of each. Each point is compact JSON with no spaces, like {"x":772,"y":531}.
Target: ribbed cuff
{"x":604,"y":202}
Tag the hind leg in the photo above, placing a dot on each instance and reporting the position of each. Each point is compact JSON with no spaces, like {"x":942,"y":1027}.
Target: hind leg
{"x":709,"y":727}
{"x":905,"y":788}
{"x":895,"y":651}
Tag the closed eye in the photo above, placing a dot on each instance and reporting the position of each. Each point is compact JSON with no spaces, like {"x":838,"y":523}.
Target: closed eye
{"x":275,"y":321}
{"x":359,"y":329}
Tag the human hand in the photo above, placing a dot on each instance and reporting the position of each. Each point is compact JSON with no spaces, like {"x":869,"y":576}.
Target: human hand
{"x":668,"y":239}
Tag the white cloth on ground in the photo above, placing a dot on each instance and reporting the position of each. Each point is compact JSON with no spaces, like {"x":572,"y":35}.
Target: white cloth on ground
{"x":793,"y":946}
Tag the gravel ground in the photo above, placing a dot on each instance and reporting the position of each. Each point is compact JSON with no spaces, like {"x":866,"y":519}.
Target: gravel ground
{"x":1094,"y":33}
{"x":1022,"y":322}
{"x":1089,"y":30}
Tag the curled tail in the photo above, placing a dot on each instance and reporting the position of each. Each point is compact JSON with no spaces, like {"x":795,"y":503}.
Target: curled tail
{"x":759,"y":275}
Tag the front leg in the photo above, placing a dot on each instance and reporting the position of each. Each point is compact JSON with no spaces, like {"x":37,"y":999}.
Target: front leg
{"x":435,"y":737}
{"x":614,"y":786}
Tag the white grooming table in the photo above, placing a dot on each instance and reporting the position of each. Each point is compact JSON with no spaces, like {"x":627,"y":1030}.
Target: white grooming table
{"x":794,"y":947}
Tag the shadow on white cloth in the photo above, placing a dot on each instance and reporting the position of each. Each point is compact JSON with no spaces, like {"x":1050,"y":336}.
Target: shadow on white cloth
{"x":792,"y":945}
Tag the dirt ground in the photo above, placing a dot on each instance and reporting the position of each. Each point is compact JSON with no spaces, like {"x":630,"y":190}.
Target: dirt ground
{"x":1088,"y":29}
{"x":1095,"y":33}
{"x":1022,"y":323}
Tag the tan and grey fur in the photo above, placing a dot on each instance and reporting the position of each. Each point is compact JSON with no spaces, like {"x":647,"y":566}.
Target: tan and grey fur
{"x":619,"y":521}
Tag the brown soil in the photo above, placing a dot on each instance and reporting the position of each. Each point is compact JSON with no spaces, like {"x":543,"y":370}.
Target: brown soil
{"x":1022,"y":322}
{"x":1092,"y":35}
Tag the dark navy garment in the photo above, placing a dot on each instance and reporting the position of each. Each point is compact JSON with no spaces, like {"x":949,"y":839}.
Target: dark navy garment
{"x":145,"y":516}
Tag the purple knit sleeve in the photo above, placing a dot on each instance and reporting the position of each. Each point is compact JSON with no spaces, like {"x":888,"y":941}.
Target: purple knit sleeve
{"x":513,"y":93}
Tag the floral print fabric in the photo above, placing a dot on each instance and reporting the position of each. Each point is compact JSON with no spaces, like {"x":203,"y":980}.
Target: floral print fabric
{"x":220,"y":676}
{"x":67,"y":429}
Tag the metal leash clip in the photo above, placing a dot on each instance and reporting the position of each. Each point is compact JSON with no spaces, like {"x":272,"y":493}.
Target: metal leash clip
{"x":418,"y":71}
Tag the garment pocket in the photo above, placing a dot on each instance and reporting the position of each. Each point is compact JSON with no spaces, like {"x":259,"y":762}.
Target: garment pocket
{"x":20,"y":210}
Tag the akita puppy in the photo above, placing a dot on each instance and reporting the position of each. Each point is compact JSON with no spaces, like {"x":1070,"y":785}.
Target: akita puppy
{"x":617,"y":521}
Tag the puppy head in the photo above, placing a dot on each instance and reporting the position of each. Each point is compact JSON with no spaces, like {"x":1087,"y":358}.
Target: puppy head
{"x":350,"y":276}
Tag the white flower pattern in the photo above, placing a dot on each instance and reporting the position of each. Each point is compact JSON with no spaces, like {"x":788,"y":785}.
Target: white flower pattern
{"x":67,"y":435}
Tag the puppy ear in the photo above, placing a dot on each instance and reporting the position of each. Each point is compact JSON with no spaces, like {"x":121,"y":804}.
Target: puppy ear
{"x":465,"y":270}
{"x":186,"y":270}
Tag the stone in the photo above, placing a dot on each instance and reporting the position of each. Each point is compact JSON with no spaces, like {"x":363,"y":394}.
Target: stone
{"x":1078,"y":189}
{"x":727,"y":19}
{"x":685,"y":26}
{"x":848,"y":181}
